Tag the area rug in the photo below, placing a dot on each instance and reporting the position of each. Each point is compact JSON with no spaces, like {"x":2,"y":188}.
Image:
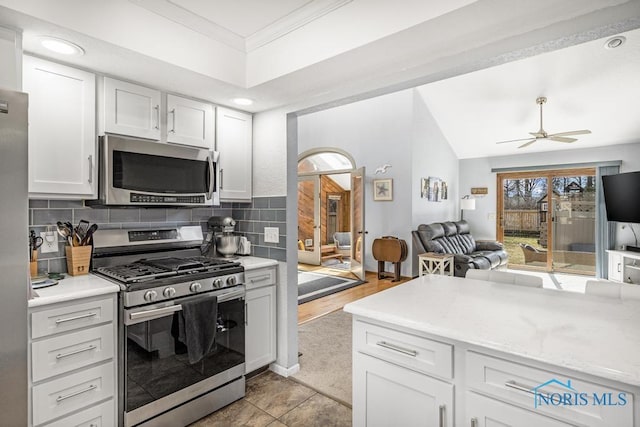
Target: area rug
{"x":325,"y":364}
{"x":315,"y":285}
{"x":334,"y":263}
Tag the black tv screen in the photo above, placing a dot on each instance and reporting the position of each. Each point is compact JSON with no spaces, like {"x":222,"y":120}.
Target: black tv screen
{"x":622,"y":197}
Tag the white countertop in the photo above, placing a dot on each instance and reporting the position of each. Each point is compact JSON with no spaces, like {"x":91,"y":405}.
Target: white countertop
{"x":253,"y":263}
{"x":594,"y":335}
{"x":73,"y":287}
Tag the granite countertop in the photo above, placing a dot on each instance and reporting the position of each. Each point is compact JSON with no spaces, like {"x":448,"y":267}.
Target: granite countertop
{"x":73,"y":287}
{"x":253,"y":263}
{"x":585,"y":333}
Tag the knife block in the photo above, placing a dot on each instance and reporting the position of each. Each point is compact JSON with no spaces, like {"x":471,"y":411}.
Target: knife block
{"x":78,"y":259}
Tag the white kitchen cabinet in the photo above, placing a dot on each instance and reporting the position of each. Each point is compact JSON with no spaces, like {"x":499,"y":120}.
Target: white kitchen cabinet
{"x":62,"y":130}
{"x":624,"y":266}
{"x":190,"y":122}
{"x":260,"y":306}
{"x":615,"y":266}
{"x":234,"y":142}
{"x":130,"y":109}
{"x":72,"y":363}
{"x":416,"y":399}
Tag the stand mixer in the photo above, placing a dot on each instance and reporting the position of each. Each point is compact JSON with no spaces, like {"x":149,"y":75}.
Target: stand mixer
{"x":222,"y":236}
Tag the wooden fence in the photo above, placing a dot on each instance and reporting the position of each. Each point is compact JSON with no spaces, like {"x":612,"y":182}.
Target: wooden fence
{"x":521,"y":220}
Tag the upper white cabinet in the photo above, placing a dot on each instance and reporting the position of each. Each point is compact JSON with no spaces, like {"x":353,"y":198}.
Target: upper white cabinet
{"x":130,"y":109}
{"x":62,"y":130}
{"x":234,"y":138}
{"x":190,"y":122}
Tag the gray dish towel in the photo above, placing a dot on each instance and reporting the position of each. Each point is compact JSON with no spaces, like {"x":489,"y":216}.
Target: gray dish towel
{"x":197,"y":327}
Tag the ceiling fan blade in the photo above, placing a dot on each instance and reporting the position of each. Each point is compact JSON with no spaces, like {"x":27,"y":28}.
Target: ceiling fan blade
{"x":526,"y":144}
{"x":539,"y":134}
{"x":513,"y":140}
{"x":573,"y":132}
{"x":561,"y":139}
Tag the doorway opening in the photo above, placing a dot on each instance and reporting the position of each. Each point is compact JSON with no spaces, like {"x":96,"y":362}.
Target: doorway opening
{"x":330,"y":223}
{"x":547,"y":220}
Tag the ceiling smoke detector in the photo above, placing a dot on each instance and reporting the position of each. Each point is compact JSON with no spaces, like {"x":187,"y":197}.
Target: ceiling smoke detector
{"x":615,"y":42}
{"x":61,"y":46}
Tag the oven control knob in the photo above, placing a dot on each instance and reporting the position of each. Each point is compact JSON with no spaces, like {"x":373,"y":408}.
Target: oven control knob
{"x":150,"y":296}
{"x":195,"y":287}
{"x":231,"y":281}
{"x":217,"y":283}
{"x":168,"y":292}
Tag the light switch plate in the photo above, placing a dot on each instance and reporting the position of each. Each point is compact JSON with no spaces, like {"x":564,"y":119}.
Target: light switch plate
{"x":271,"y":235}
{"x":48,"y":246}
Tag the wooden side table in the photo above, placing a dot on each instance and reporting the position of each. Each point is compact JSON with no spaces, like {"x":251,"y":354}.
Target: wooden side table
{"x":434,"y":263}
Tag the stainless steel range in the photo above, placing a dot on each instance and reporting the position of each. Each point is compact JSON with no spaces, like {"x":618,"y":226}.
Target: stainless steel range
{"x":181,"y":328}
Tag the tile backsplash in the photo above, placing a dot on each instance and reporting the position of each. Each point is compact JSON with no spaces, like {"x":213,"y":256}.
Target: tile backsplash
{"x":251,"y":218}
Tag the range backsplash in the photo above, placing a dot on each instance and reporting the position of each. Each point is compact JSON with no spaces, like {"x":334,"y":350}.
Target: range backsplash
{"x":251,"y":219}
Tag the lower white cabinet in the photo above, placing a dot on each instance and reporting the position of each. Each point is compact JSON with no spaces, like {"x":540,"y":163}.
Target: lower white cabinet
{"x":260,"y":307}
{"x":72,"y":371}
{"x":416,"y":399}
{"x":624,"y":266}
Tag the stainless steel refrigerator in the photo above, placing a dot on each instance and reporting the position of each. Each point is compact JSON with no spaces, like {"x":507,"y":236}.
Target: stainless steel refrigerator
{"x":14,"y":261}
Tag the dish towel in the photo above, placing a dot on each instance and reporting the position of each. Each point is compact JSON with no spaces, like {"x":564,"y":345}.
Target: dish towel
{"x":197,"y":327}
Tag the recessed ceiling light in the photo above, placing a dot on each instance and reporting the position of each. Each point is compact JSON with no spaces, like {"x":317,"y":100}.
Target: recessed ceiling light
{"x":242,"y":101}
{"x":61,"y":46}
{"x":615,"y":42}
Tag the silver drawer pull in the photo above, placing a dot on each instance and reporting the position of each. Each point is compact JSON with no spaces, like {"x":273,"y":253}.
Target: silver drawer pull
{"x":76,"y":393}
{"x":474,"y":422}
{"x":71,"y":319}
{"x":441,"y":415}
{"x":260,"y":278}
{"x":514,"y":385}
{"x":385,"y":344}
{"x":71,"y":353}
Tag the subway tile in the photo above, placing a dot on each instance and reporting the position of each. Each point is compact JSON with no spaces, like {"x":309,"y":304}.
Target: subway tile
{"x":244,"y":226}
{"x":224,"y":212}
{"x":109,"y":226}
{"x":201,"y":214}
{"x":253,"y":238}
{"x":239,"y":214}
{"x":51,"y":216}
{"x":59,"y":204}
{"x":91,"y":215}
{"x":225,"y":205}
{"x":38,"y":203}
{"x":278,"y":254}
{"x":267,"y":215}
{"x":241,"y":205}
{"x":43,"y":266}
{"x":278,"y":202}
{"x":178,"y":214}
{"x":124,"y":215}
{"x":261,"y":202}
{"x":252,"y":215}
{"x":153,"y":215}
{"x":260,"y":251}
{"x":281,"y":215}
{"x":57,"y":265}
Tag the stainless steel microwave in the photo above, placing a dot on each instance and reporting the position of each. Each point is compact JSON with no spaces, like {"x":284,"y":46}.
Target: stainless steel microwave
{"x":138,"y":172}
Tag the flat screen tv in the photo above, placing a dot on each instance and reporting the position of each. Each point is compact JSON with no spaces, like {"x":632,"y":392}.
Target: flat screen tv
{"x":622,"y":197}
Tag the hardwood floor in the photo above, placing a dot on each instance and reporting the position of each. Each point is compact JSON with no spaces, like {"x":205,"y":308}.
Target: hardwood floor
{"x":325,"y":305}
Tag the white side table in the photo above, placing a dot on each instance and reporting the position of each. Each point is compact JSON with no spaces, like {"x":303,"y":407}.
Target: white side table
{"x":434,"y":263}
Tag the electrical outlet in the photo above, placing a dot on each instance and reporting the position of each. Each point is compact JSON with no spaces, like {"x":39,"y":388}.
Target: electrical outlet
{"x":271,"y":235}
{"x":49,"y":242}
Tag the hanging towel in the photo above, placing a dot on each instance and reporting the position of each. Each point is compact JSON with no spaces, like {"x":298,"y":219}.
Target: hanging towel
{"x":197,"y":327}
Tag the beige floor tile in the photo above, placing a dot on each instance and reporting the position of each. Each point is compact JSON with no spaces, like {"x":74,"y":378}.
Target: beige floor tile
{"x":318,"y":411}
{"x":276,"y":395}
{"x":238,"y":414}
{"x":277,"y":423}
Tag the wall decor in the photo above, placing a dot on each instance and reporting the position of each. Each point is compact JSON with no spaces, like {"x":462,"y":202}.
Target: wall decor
{"x":434,"y":189}
{"x":479,"y":191}
{"x":383,"y":189}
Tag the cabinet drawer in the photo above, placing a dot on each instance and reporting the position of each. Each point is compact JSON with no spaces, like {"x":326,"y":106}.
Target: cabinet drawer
{"x":97,"y":416}
{"x":260,"y":277}
{"x":59,"y":397}
{"x":533,"y":388}
{"x":64,"y":353}
{"x":70,"y":317}
{"x":404,"y":349}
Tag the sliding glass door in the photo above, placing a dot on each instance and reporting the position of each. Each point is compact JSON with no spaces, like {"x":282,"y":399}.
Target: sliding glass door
{"x":547,"y":219}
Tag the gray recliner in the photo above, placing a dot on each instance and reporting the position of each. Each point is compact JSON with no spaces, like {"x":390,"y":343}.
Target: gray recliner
{"x":342,"y":240}
{"x":455,"y":238}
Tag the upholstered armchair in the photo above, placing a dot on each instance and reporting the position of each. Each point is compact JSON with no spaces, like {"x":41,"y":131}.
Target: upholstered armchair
{"x":342,"y":240}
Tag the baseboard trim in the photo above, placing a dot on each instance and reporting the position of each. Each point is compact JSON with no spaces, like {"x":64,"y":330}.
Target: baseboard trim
{"x":285,"y":372}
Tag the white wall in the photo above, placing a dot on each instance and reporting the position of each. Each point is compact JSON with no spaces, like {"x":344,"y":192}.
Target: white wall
{"x":477,"y":173}
{"x":10,"y":59}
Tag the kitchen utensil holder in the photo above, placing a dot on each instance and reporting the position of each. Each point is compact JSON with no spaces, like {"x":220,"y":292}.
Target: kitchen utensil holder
{"x":33,"y":268}
{"x":78,"y":259}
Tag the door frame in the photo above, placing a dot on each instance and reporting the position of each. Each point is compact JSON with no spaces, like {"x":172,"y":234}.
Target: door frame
{"x":312,"y":257}
{"x":542,"y":173}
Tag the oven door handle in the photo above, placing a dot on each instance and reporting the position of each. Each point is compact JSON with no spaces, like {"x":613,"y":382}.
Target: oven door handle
{"x":157,"y":312}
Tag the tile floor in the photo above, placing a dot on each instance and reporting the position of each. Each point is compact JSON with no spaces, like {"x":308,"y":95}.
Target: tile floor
{"x":275,"y":401}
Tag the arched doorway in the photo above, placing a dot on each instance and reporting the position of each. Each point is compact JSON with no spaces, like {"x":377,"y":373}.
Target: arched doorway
{"x":331,"y":211}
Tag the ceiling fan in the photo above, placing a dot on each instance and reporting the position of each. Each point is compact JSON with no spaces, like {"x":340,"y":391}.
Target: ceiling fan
{"x":542,"y":134}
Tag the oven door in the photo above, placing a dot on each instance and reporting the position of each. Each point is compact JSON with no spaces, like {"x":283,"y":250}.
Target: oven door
{"x":157,"y":374}
{"x":143,"y":173}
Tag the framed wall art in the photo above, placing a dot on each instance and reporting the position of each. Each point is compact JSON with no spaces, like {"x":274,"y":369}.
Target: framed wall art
{"x":383,"y":189}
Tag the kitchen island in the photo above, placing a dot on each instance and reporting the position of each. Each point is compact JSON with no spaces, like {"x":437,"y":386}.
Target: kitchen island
{"x":461,"y":352}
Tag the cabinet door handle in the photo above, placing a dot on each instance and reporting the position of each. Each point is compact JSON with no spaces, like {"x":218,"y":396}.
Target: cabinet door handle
{"x":474,"y":422}
{"x":619,"y":267}
{"x":71,"y":353}
{"x":246,"y":314}
{"x":221,"y":175}
{"x":157,"y":108}
{"x":90,"y":158}
{"x":393,"y":347}
{"x":514,"y":385}
{"x":76,"y":393}
{"x":260,"y":278}
{"x":442,"y":415}
{"x":173,"y":122}
{"x":71,"y":319}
